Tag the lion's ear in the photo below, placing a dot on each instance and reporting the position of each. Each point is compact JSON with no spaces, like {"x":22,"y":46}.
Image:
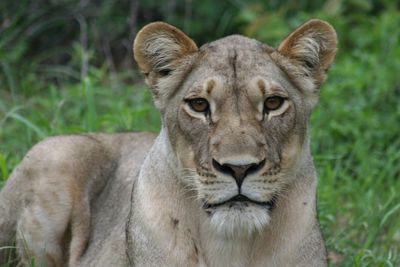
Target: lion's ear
{"x":158,"y":47}
{"x":312,"y":47}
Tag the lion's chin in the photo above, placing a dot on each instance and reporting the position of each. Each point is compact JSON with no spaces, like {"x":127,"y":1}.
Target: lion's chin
{"x":238,"y":219}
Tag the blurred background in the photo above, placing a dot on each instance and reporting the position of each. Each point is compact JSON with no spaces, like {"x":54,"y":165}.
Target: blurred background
{"x":66,"y":67}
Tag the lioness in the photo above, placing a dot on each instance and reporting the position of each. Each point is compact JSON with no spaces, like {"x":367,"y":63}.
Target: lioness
{"x":229,"y":181}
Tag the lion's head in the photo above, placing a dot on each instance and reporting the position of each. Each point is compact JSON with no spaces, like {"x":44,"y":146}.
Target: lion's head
{"x":236,"y":112}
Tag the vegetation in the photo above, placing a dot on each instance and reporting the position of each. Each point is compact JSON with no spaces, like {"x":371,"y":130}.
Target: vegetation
{"x":67,"y":67}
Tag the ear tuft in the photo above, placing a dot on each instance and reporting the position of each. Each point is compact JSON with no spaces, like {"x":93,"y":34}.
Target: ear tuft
{"x":158,"y":45}
{"x":312,"y":47}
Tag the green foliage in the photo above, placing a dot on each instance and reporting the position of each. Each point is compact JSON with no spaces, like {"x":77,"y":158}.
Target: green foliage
{"x":66,"y":68}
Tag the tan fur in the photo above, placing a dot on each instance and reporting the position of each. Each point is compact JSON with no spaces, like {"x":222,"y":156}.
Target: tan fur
{"x":127,"y":199}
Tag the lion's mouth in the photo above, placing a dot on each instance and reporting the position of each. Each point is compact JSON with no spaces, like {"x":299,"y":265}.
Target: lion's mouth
{"x":241,"y":199}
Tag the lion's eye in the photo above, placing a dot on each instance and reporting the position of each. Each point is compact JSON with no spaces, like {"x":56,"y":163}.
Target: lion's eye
{"x":199,"y":104}
{"x":273,"y":103}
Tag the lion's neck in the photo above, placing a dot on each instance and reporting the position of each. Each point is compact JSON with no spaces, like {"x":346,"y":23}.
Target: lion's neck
{"x":220,"y":250}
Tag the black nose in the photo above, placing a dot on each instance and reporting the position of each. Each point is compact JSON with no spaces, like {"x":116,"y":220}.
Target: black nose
{"x":239,"y":172}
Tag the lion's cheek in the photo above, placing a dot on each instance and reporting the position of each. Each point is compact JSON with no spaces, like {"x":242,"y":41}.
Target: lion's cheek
{"x":291,"y":153}
{"x":192,"y":135}
{"x":186,"y":155}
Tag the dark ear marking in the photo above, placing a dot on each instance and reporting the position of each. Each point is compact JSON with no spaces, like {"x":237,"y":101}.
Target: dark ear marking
{"x":309,"y":64}
{"x":164,"y":72}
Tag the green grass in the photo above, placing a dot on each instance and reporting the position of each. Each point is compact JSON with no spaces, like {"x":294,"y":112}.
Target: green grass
{"x":92,"y":105}
{"x":355,"y":127}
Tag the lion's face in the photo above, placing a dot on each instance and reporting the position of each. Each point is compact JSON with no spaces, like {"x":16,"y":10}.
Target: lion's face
{"x":236,"y":119}
{"x":239,"y":127}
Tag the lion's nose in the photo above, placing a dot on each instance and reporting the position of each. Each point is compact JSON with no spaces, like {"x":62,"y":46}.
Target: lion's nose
{"x":239,"y":172}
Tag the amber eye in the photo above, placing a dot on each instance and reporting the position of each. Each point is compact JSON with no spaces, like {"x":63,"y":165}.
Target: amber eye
{"x":273,"y":103}
{"x":198,"y":104}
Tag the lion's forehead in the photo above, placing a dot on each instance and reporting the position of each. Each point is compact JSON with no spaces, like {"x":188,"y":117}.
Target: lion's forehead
{"x":236,"y":42}
{"x":236,"y":63}
{"x":236,"y":47}
{"x":237,"y":80}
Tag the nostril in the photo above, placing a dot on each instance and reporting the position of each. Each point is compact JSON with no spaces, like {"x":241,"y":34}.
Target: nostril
{"x":221,"y":168}
{"x":255,"y":167}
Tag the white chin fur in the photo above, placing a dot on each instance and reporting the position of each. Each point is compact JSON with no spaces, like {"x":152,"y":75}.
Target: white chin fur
{"x":239,"y":221}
